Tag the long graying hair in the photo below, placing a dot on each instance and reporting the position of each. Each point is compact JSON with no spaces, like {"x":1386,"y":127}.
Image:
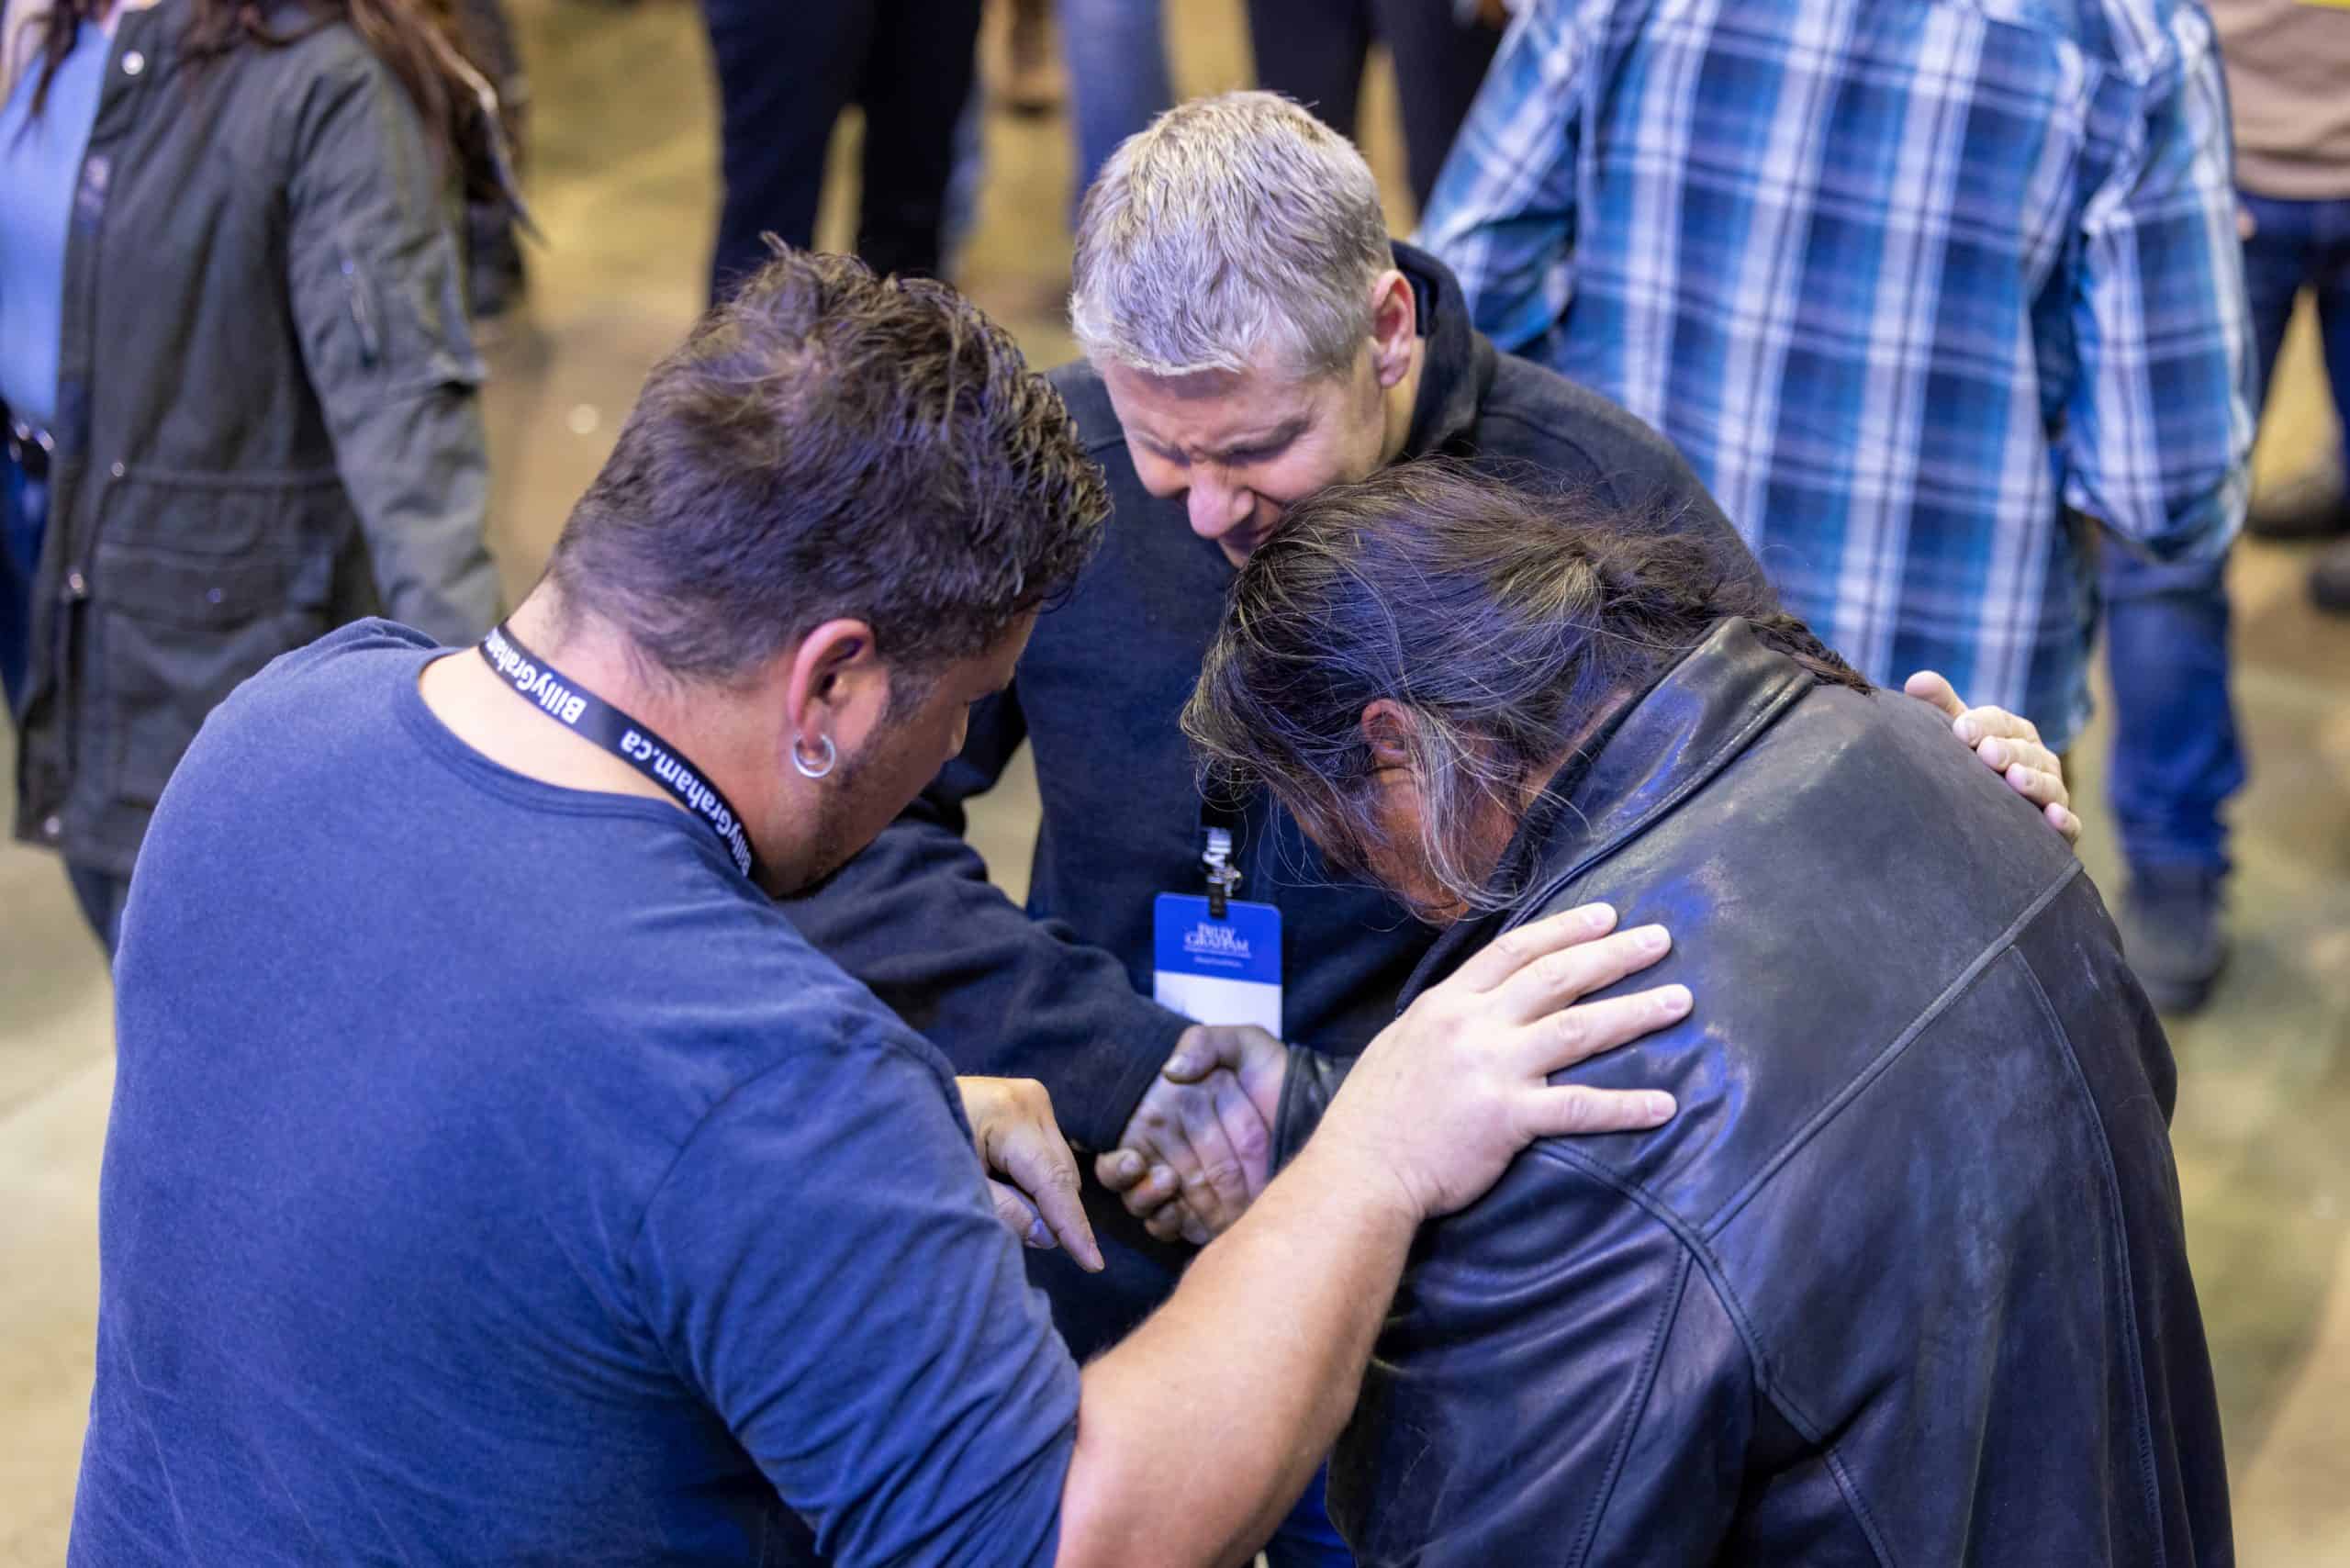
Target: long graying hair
{"x":1232,"y":225}
{"x":1500,"y":620}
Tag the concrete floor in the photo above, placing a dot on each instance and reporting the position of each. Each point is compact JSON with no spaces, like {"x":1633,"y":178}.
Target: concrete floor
{"x":624,"y":185}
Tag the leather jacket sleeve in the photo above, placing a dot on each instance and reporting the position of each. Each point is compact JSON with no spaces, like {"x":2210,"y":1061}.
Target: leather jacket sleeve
{"x":1559,"y":1384}
{"x":375,"y":290}
{"x":1312,"y":1081}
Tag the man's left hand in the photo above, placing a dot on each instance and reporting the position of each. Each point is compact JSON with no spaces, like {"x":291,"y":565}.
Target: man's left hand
{"x":1032,"y":1175}
{"x":2009,"y":746}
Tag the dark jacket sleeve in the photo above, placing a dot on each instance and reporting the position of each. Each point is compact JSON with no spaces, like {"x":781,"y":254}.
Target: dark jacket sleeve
{"x":1559,"y":1385}
{"x":998,"y":992}
{"x":375,"y":283}
{"x":1307,"y":1089}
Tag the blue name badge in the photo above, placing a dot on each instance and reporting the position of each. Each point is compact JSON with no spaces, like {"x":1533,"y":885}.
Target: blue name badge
{"x":1219,"y":971}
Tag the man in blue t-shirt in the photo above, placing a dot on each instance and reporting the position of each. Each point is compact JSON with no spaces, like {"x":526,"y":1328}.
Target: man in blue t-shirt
{"x":494,"y":1175}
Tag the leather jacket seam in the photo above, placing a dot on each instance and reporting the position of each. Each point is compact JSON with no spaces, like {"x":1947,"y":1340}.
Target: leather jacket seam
{"x":2005,"y":942}
{"x":1698,"y":1253}
{"x":1693,"y":1247}
{"x":2130,"y":1341}
{"x":1636,"y":1410}
{"x":1695,"y":1253}
{"x":1850,"y":1490}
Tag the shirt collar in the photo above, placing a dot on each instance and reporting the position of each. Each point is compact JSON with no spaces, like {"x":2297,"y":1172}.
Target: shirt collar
{"x":1456,"y":362}
{"x":1658,"y":751}
{"x":23,"y":23}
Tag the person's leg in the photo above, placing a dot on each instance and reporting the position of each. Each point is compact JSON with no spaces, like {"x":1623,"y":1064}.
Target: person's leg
{"x":2176,"y":755}
{"x":101,"y":895}
{"x":2175,"y":762}
{"x":959,"y":210}
{"x":2278,"y":260}
{"x":1314,"y":51}
{"x":1438,"y":66}
{"x":1028,"y":85}
{"x":917,"y":77}
{"x":1116,"y":54}
{"x":784,"y":74}
{"x":24,"y":516}
{"x":2330,"y":578}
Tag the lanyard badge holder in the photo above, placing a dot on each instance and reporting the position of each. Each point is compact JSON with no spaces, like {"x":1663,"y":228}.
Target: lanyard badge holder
{"x":1219,"y":959}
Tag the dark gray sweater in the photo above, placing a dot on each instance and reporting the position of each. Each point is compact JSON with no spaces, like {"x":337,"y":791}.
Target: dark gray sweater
{"x":1060,"y":992}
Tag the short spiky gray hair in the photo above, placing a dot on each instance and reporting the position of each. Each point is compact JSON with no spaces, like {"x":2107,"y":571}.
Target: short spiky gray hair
{"x":1232,"y":224}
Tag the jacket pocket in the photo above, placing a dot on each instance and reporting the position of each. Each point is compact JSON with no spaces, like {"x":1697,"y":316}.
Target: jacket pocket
{"x":177,"y":631}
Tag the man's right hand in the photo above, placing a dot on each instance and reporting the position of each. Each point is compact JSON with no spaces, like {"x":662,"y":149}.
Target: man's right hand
{"x":1199,"y":1148}
{"x":1447,"y":1095}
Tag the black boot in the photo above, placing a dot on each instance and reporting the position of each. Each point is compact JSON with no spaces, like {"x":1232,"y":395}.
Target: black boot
{"x":2313,"y":506}
{"x":2330,"y":580}
{"x":2170,"y":933}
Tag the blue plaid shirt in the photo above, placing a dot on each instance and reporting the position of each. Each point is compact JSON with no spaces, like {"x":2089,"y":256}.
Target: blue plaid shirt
{"x":1918,"y":285}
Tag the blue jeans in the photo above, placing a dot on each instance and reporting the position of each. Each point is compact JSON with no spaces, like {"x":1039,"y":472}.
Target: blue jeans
{"x":101,"y":895}
{"x":2176,"y":755}
{"x":1116,"y":54}
{"x":24,"y":518}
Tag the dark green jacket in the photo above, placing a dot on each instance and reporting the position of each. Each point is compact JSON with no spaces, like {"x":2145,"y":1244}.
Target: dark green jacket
{"x":267,"y":420}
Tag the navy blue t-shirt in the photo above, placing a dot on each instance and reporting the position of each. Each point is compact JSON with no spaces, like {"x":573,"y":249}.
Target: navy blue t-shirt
{"x":495,"y":1176}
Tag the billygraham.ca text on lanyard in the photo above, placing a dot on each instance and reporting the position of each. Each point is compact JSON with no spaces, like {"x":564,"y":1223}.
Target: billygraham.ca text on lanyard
{"x":564,"y":699}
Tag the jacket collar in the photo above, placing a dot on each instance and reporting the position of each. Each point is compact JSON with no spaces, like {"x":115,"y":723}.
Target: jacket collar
{"x":21,"y":24}
{"x":1668,"y":746}
{"x":1456,"y":367}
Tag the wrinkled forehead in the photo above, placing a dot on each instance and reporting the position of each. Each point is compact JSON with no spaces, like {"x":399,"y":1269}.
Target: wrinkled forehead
{"x":1218,"y":409}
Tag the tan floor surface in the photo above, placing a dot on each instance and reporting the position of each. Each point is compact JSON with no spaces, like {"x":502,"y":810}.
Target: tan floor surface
{"x":624,"y":187}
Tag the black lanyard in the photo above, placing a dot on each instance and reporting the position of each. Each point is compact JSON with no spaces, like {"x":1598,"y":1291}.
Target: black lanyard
{"x":589,"y":715}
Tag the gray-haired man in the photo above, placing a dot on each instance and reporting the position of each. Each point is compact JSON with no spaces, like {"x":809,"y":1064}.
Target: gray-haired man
{"x":1250,"y":335}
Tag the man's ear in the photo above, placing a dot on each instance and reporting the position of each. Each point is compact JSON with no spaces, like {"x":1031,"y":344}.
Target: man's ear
{"x":1387,"y":731}
{"x":835,"y":687}
{"x":1395,"y":326}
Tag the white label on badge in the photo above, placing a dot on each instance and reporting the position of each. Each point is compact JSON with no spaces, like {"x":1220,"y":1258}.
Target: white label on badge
{"x":1218,"y":971}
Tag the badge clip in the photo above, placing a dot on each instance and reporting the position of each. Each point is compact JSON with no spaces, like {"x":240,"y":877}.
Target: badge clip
{"x":1224,"y":880}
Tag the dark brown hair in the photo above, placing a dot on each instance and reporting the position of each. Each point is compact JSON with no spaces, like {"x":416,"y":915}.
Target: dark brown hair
{"x":1502,"y":620}
{"x":831,"y":443}
{"x":418,"y":42}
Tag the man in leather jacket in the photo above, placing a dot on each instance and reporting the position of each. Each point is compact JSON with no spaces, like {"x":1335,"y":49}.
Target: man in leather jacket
{"x":1906,"y":1280}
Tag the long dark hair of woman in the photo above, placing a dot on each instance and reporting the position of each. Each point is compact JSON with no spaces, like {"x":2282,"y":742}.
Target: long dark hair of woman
{"x":419,"y":41}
